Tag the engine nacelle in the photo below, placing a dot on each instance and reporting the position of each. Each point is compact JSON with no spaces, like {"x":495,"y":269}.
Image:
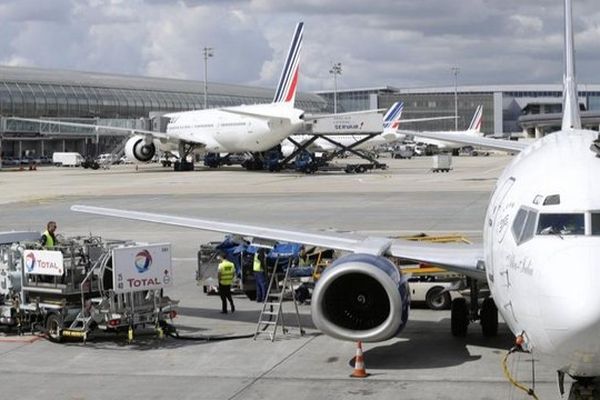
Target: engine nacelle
{"x":361,"y":297}
{"x":139,"y":149}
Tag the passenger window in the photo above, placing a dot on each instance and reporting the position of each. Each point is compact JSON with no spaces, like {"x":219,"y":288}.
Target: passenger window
{"x":561,"y":224}
{"x":596,"y":224}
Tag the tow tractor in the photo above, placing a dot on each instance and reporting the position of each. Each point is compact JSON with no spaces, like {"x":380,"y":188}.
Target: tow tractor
{"x":84,"y":284}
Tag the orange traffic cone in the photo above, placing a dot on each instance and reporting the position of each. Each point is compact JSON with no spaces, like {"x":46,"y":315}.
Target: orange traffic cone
{"x":359,"y":363}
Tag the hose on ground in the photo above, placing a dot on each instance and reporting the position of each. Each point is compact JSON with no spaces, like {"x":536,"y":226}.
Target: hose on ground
{"x":171,"y":331}
{"x":512,"y":380}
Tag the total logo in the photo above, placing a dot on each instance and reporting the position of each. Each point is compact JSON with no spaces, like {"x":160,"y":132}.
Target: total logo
{"x":30,"y":262}
{"x":143,"y":261}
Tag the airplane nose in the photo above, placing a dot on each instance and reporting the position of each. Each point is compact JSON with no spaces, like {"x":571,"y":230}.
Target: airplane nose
{"x":570,"y":295}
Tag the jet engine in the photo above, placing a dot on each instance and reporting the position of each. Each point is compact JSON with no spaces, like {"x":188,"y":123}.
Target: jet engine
{"x":361,"y":297}
{"x":139,"y":148}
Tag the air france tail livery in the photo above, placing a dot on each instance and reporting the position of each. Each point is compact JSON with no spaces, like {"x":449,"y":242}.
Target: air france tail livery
{"x":246,"y":128}
{"x":540,"y":253}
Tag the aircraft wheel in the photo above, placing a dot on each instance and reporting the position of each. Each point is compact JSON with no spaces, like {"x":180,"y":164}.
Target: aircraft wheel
{"x":489,"y":318}
{"x":54,"y":327}
{"x":459,"y":317}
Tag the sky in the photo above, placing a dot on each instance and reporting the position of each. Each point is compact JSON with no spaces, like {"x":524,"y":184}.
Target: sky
{"x":399,"y":43}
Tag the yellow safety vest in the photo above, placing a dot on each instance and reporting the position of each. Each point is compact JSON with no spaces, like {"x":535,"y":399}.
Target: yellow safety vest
{"x":227,"y":270}
{"x":49,"y":240}
{"x":257,"y":264}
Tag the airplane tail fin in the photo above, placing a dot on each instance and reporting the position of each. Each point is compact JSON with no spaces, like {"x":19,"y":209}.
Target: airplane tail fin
{"x":571,"y":118}
{"x":391,"y":119}
{"x":477,"y":120}
{"x":286,"y":89}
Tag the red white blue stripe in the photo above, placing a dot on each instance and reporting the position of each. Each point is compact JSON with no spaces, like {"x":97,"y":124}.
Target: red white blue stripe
{"x":288,"y":82}
{"x":393,"y":115}
{"x":477,"y":119}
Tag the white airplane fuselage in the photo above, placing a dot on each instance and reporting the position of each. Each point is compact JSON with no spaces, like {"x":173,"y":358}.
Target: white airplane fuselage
{"x":229,"y":132}
{"x":548,"y":287}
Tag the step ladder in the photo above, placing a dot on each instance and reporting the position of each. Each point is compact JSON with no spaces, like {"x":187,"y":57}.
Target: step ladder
{"x":272,"y":315}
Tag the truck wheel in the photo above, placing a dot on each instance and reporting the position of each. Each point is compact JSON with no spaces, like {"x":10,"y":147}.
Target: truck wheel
{"x":436,"y":300}
{"x":459,"y":317}
{"x":489,"y":318}
{"x":54,"y":327}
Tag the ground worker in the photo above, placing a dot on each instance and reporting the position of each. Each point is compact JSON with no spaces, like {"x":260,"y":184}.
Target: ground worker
{"x":259,"y":276}
{"x":225,"y":273}
{"x":48,"y":239}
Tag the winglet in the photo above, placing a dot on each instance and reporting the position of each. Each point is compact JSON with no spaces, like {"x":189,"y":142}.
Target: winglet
{"x":477,"y":120}
{"x":391,"y":119}
{"x":288,"y":82}
{"x":571,"y":118}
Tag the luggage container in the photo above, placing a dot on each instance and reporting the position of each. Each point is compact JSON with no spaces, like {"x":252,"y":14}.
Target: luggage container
{"x":442,"y":162}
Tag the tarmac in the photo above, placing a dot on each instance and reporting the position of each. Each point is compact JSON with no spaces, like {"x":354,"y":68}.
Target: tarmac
{"x":424,"y":362}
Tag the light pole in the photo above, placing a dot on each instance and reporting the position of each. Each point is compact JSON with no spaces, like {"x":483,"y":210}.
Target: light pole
{"x":455,"y":71}
{"x":335,"y":70}
{"x":208,"y":52}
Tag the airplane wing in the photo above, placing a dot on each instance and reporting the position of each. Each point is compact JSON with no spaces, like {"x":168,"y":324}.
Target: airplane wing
{"x":462,"y":258}
{"x":403,"y":120}
{"x":471,"y":140}
{"x":122,"y":131}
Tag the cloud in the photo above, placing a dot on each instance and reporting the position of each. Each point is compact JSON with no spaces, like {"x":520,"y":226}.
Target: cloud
{"x":379,"y":42}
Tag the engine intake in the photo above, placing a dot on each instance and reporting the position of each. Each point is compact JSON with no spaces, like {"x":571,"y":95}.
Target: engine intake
{"x":361,"y":297}
{"x":138,"y":148}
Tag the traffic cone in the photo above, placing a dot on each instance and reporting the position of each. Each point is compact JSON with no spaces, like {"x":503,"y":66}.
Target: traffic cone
{"x":359,"y":363}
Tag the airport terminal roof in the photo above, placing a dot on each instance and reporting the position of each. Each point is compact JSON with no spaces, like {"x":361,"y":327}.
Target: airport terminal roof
{"x":19,"y":83}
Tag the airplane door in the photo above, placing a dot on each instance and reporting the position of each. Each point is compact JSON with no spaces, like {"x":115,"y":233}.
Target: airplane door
{"x":497,"y":224}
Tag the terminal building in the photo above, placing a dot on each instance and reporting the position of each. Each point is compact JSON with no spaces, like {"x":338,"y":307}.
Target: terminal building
{"x":530,"y":110}
{"x":117,"y":100}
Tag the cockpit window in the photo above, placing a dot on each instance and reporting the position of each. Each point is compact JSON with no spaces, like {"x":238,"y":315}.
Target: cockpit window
{"x":596,"y":224}
{"x":561,"y":224}
{"x":523,"y":227}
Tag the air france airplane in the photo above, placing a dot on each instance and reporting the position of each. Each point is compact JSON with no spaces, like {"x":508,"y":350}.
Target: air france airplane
{"x":246,"y":128}
{"x":543,"y":218}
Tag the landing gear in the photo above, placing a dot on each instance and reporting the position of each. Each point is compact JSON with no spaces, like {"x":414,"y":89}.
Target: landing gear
{"x":488,"y":317}
{"x":462,"y":313}
{"x":185,"y":149}
{"x":582,"y":388}
{"x":459,"y":317}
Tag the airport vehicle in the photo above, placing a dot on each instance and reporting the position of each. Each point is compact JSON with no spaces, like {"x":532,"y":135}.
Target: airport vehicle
{"x":442,"y":162}
{"x":82,"y":284}
{"x":246,"y":128}
{"x":473,"y":130}
{"x":542,"y":216}
{"x":67,"y":159}
{"x":329,"y":143}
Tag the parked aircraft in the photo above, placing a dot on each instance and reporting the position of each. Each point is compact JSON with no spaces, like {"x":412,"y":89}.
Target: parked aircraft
{"x":245,"y":128}
{"x":543,"y":218}
{"x":474,"y":129}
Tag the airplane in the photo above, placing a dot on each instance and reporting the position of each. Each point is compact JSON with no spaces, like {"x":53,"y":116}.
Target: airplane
{"x":539,"y":255}
{"x":474,"y":129}
{"x":329,"y":143}
{"x":246,"y":128}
